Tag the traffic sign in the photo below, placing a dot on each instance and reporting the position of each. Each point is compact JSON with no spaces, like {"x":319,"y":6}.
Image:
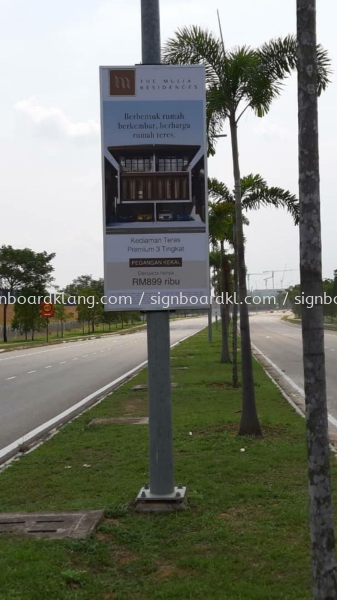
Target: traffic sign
{"x":46,"y":309}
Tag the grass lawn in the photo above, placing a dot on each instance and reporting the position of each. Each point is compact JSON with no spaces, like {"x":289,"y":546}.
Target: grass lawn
{"x":244,"y":535}
{"x":74,"y":334}
{"x":327,"y":323}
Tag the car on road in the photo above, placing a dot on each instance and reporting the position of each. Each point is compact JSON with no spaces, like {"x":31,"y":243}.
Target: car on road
{"x":184,"y":217}
{"x":145,"y":217}
{"x":165,"y":215}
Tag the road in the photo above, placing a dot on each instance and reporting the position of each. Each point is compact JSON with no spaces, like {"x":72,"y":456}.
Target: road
{"x":281,"y":342}
{"x":38,"y":384}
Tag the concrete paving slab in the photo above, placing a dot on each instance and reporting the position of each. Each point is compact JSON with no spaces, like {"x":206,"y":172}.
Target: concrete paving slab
{"x":51,"y":525}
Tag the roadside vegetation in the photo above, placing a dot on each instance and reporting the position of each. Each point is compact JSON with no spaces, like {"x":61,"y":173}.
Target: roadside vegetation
{"x":247,"y":498}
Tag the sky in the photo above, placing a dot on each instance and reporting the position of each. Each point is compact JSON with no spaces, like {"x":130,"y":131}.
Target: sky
{"x":50,"y":184}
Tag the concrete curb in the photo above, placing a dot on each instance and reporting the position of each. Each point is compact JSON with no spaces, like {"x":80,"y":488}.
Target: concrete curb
{"x":33,"y":439}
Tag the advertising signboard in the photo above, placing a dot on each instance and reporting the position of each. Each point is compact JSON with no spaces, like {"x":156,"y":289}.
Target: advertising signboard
{"x":46,"y":309}
{"x":153,"y":122}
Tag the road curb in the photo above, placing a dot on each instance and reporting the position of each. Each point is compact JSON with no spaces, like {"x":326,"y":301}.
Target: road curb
{"x":291,"y":392}
{"x":33,"y":439}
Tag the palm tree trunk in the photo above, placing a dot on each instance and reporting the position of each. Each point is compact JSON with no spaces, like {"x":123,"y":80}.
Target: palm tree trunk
{"x":321,"y":511}
{"x":249,"y":424}
{"x":235,"y":375}
{"x":225,"y":357}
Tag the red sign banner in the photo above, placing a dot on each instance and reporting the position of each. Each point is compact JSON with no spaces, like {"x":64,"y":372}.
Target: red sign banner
{"x":46,"y":309}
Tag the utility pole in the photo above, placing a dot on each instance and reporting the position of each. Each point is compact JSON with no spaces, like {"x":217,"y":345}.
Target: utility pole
{"x":161,"y":490}
{"x":324,"y":572}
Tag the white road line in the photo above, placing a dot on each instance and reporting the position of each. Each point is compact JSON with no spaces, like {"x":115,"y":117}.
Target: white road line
{"x":75,"y":358}
{"x":63,"y":362}
{"x":49,"y":424}
{"x":8,"y":378}
{"x":84,"y":355}
{"x":49,"y":367}
{"x":66,"y":345}
{"x":29,"y":372}
{"x":300,"y":391}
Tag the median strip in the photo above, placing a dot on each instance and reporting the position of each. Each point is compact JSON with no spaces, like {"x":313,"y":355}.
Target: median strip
{"x":245,"y":533}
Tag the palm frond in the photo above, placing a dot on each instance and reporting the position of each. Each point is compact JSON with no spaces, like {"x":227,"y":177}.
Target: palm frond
{"x":194,"y":45}
{"x":215,"y":117}
{"x":272,"y":196}
{"x":279,"y":60}
{"x":219,"y":192}
{"x":250,"y":183}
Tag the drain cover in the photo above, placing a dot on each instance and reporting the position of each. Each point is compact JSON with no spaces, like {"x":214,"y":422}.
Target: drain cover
{"x":51,"y":525}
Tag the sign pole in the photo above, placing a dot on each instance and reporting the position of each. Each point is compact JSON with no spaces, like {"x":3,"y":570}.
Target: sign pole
{"x":158,"y":328}
{"x":210,"y":329}
{"x":47,"y":329}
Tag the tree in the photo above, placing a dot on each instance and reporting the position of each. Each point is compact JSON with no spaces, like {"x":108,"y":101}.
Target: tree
{"x":62,"y":316}
{"x":22,"y":268}
{"x":294,"y":293}
{"x":221,"y":223}
{"x":321,"y":512}
{"x":88,"y":292}
{"x":255,"y":193}
{"x":236,"y":81}
{"x":27,"y":314}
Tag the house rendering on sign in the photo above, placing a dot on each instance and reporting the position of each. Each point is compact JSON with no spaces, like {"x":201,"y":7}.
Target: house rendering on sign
{"x":154,"y":184}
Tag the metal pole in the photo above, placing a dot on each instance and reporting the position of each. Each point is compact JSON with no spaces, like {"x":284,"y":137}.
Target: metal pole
{"x":160,"y":413}
{"x":150,"y":32}
{"x":158,"y":324}
{"x":210,"y":329}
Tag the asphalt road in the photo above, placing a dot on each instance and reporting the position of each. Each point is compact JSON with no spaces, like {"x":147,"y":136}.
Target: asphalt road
{"x":282,"y":344}
{"x":38,"y":384}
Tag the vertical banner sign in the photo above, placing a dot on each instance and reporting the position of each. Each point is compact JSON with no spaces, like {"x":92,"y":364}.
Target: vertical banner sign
{"x":46,"y":309}
{"x":153,"y":121}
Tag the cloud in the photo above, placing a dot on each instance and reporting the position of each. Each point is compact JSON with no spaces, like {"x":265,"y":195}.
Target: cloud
{"x":54,"y":123}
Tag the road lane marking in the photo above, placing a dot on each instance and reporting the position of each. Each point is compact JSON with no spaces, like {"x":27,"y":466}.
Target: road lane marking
{"x":49,"y":367}
{"x":299,"y":390}
{"x":48,"y":425}
{"x":29,"y":372}
{"x":75,"y":358}
{"x":8,"y":378}
{"x":63,"y":362}
{"x":65,"y":345}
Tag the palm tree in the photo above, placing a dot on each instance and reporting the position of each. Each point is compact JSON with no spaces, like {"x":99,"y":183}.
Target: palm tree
{"x":238,"y":80}
{"x":221,"y":222}
{"x":255,"y":194}
{"x":324,"y":570}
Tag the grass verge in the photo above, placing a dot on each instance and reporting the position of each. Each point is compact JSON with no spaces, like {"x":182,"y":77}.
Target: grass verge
{"x":296,"y":321}
{"x":69,"y":336}
{"x":244,"y":535}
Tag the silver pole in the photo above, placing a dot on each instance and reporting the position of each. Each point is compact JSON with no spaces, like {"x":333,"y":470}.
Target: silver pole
{"x":210,"y":329}
{"x":160,"y":413}
{"x":150,"y":32}
{"x":158,"y":324}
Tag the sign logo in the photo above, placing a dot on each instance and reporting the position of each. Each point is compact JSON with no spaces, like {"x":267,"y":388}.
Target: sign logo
{"x":122,"y":82}
{"x":46,"y":309}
